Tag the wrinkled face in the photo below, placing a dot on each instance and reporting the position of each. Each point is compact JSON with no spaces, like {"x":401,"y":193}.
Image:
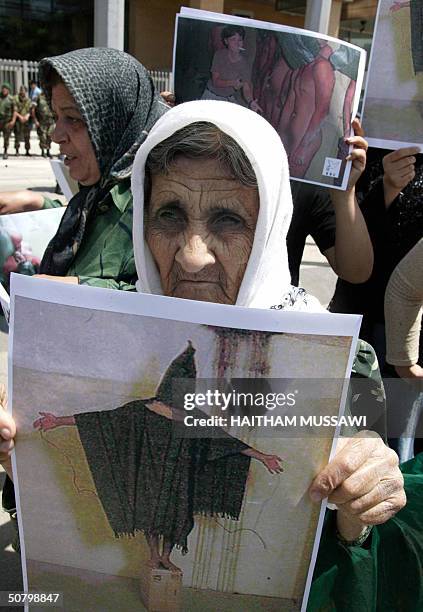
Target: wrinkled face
{"x":200,"y":226}
{"x":234,"y":43}
{"x":4,"y":92}
{"x":71,"y":134}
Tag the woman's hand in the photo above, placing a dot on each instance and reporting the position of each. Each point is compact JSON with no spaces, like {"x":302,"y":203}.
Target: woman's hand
{"x":7,"y":432}
{"x":169,"y":98}
{"x":358,"y":154}
{"x":412,"y":372}
{"x":364,"y":481}
{"x":398,"y":168}
{"x":254,"y":106}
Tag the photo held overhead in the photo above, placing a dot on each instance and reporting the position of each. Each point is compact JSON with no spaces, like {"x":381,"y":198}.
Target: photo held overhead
{"x":307,"y":85}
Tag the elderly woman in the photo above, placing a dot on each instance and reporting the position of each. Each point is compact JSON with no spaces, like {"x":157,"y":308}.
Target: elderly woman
{"x":212,"y":206}
{"x":104,"y":105}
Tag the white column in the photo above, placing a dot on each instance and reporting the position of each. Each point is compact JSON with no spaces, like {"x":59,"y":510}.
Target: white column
{"x":318,"y":15}
{"x":109,"y":23}
{"x":335,"y":18}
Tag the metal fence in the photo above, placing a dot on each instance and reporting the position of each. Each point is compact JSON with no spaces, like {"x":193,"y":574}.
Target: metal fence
{"x":162,"y":80}
{"x":21,"y":72}
{"x":18,"y":72}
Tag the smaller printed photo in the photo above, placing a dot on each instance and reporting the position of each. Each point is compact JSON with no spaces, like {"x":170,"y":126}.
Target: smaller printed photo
{"x":393,"y":104}
{"x":306,"y":85}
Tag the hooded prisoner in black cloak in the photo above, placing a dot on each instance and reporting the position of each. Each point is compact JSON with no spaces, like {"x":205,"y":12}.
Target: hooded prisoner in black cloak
{"x":151,"y":479}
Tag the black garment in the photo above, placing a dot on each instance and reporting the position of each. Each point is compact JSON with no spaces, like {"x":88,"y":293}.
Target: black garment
{"x":313,"y":215}
{"x":150,"y":478}
{"x":8,"y":496}
{"x":393,"y":233}
{"x":416,"y":23}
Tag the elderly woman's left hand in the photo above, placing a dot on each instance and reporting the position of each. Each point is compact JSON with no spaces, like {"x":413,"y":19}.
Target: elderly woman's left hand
{"x":364,"y":481}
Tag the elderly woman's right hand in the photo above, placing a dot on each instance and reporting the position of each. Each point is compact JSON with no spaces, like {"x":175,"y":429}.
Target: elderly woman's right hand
{"x":364,"y":481}
{"x":7,"y":432}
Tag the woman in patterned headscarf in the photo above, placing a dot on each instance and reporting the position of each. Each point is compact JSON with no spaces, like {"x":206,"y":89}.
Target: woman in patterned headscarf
{"x":104,"y":104}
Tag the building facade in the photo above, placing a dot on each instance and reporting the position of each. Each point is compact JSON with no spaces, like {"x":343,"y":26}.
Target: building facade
{"x":32,"y":29}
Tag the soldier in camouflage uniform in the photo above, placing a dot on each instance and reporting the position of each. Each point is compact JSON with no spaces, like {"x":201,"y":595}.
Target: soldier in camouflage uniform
{"x":44,"y":122}
{"x":22,"y":120}
{"x":7,"y":115}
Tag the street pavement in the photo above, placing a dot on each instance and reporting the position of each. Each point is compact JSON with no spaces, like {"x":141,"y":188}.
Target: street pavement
{"x":35,"y":173}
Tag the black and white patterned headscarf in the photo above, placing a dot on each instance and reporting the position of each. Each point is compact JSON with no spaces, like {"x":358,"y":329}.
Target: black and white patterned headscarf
{"x":116,"y":98}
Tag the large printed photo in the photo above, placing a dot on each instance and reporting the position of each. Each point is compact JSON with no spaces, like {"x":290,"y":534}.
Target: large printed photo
{"x":125,"y":497}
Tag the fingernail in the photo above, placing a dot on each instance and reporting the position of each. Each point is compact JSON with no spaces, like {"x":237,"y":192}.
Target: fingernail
{"x":316,"y":496}
{"x":5,"y":433}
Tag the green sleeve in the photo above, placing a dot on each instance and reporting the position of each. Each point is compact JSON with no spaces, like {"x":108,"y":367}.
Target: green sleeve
{"x":106,"y":255}
{"x":49,"y":203}
{"x":345,"y":577}
{"x":385,"y":574}
{"x":106,"y":283}
{"x":366,"y":393}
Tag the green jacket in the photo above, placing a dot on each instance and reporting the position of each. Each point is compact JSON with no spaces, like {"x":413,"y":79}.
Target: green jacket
{"x":385,"y":574}
{"x":106,"y":255}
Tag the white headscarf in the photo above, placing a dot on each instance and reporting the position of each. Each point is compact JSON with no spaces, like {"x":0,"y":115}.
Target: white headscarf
{"x":267,"y":279}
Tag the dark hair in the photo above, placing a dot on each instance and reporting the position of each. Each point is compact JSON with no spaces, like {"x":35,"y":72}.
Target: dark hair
{"x":200,"y":140}
{"x":50,"y":78}
{"x":231,"y":30}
